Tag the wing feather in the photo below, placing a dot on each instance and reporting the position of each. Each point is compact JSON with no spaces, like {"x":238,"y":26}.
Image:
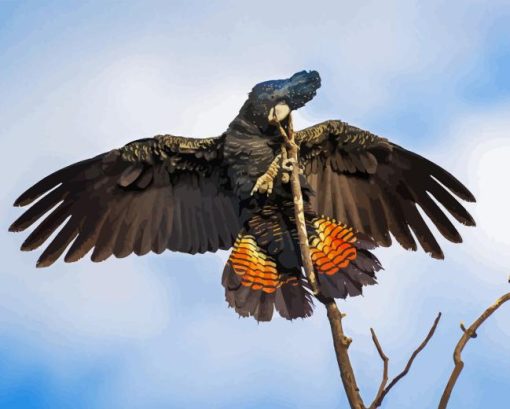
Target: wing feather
{"x":47,"y":227}
{"x":433,"y":211}
{"x":86,"y":239}
{"x":60,"y":242}
{"x":41,"y":207}
{"x":376,"y":187}
{"x":422,"y":232}
{"x":50,"y":181}
{"x":397,"y":222}
{"x":380,"y":229}
{"x":155,"y":194}
{"x":109,"y":231}
{"x":449,"y":202}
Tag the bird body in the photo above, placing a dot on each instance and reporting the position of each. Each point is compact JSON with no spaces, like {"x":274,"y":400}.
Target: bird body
{"x":232,"y":191}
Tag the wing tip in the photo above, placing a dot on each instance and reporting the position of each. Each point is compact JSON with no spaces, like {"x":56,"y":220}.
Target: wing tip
{"x":19,"y":202}
{"x":458,"y":189}
{"x":71,"y":258}
{"x":14,"y":228}
{"x":30,"y":195}
{"x":467,"y":220}
{"x":436,"y":252}
{"x":437,"y":255}
{"x":25,"y":246}
{"x":97,"y":256}
{"x":457,"y":238}
{"x":43,"y":263}
{"x":470,"y":197}
{"x":23,"y":200}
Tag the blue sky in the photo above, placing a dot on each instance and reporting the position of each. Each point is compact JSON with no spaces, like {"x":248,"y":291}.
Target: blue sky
{"x":80,"y":78}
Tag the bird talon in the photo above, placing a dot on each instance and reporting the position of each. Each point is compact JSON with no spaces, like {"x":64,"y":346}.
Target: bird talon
{"x":263,"y":185}
{"x":288,"y":164}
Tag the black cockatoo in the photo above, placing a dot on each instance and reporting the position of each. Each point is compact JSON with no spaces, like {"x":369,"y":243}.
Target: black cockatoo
{"x":232,"y":191}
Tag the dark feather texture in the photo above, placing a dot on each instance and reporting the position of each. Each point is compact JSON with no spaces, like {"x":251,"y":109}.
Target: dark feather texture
{"x":376,"y":186}
{"x":127,"y":201}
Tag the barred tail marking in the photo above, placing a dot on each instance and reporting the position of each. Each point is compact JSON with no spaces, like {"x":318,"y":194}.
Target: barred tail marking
{"x":256,"y":269}
{"x":332,"y":247}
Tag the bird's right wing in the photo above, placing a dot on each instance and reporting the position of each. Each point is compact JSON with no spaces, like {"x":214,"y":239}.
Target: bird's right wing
{"x":165,"y":192}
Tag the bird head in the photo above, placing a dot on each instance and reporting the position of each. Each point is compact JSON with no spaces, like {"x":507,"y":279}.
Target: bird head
{"x":275,"y":99}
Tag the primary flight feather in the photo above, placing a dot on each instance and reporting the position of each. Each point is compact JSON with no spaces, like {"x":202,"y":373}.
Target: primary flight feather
{"x":232,"y":191}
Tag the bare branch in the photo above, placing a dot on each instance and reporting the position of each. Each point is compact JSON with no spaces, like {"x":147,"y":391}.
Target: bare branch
{"x":292,"y":153}
{"x":340,"y":341}
{"x":409,"y":363}
{"x":466,"y":336}
{"x":384,"y":379}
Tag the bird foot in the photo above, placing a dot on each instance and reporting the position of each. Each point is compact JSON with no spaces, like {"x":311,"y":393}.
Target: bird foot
{"x":264,"y":184}
{"x":288,"y":165}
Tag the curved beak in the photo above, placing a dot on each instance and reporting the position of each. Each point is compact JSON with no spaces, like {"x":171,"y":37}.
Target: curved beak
{"x":279,"y":112}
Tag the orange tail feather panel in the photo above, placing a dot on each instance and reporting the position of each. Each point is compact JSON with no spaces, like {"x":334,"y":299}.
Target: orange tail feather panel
{"x":332,"y":247}
{"x":256,"y":269}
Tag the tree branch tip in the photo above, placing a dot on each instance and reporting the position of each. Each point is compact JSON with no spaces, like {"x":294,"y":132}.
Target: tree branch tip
{"x":383,"y":391}
{"x":347,"y":341}
{"x":463,"y":328}
{"x":457,"y":354}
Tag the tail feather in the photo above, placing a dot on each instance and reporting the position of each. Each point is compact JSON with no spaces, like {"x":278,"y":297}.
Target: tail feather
{"x":253,"y":285}
{"x":294,"y":301}
{"x":341,"y":258}
{"x":264,"y":272}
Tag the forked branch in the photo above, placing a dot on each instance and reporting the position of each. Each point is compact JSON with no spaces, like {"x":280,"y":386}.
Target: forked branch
{"x":383,"y":389}
{"x":384,"y":380}
{"x":469,"y":333}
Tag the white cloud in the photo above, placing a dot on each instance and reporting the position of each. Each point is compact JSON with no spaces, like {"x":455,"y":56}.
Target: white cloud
{"x":478,"y":148}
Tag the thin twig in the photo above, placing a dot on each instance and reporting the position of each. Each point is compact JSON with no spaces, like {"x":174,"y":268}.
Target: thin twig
{"x":409,"y":363}
{"x":299,"y":215}
{"x":384,"y":379}
{"x":288,"y":136}
{"x":466,"y":336}
{"x":340,"y":341}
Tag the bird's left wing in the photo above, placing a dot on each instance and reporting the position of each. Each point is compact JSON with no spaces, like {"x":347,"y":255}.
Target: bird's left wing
{"x":166,"y":192}
{"x":377,"y":187}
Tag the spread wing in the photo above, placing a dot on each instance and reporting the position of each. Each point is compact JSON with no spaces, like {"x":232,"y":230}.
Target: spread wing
{"x":166,"y":192}
{"x":377,"y":186}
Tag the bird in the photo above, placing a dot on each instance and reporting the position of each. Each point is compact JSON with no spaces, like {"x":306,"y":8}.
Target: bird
{"x":232,"y":192}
